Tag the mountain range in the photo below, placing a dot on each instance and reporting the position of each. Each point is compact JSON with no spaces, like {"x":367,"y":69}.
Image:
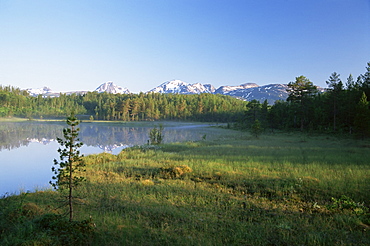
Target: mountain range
{"x":248,"y":91}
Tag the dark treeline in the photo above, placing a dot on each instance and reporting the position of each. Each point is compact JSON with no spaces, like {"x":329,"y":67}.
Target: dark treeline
{"x":156,"y":106}
{"x":342,"y":108}
{"x":125,"y":107}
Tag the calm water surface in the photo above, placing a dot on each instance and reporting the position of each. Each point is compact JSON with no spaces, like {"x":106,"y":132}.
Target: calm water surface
{"x":27,"y":149}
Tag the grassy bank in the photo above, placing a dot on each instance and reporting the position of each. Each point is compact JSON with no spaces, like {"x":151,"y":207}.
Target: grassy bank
{"x":282,"y":189}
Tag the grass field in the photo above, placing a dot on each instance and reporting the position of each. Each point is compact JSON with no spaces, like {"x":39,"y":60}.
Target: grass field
{"x":280,"y":189}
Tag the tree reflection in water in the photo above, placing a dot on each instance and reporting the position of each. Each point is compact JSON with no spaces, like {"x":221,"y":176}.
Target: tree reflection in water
{"x":105,"y":136}
{"x":27,"y":149}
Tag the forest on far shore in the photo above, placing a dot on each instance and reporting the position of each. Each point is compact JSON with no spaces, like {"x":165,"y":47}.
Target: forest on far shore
{"x":343,"y":107}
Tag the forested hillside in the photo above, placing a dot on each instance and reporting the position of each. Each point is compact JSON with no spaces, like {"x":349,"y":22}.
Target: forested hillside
{"x":343,"y":107}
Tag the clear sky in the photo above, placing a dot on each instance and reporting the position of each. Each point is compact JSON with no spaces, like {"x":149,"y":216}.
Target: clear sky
{"x":139,"y":44}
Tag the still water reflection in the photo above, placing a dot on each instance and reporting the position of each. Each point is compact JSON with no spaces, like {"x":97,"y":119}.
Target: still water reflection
{"x":27,"y":149}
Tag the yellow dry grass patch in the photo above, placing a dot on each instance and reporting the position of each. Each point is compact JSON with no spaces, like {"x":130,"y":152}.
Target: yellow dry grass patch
{"x":147,"y":182}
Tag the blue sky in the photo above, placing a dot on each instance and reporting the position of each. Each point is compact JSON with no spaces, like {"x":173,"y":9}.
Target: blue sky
{"x":139,"y":44}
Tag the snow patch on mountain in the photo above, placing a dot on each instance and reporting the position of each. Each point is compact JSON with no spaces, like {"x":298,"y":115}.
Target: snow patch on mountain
{"x":271,"y":93}
{"x":226,"y":88}
{"x":181,"y":87}
{"x":47,"y":92}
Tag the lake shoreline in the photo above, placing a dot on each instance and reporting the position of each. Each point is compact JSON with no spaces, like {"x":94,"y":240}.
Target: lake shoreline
{"x":26,"y":143}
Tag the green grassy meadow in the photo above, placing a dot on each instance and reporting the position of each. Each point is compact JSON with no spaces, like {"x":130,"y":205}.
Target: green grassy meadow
{"x":280,"y":189}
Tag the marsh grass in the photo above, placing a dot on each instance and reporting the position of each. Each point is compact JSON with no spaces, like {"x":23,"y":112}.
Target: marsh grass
{"x":282,"y":189}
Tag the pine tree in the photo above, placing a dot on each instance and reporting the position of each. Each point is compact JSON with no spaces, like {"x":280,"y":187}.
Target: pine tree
{"x":300,"y":93}
{"x":365,"y":86}
{"x":256,"y":129}
{"x":335,"y":87}
{"x":366,"y":77}
{"x":252,"y":113}
{"x":70,"y":162}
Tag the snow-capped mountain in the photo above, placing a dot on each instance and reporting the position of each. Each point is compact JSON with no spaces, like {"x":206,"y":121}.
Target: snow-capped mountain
{"x":43,"y":91}
{"x":181,"y":87}
{"x":110,"y":87}
{"x":271,"y":93}
{"x":248,"y":91}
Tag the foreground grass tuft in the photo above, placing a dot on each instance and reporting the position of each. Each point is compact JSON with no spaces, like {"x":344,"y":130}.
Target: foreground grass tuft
{"x":236,"y":190}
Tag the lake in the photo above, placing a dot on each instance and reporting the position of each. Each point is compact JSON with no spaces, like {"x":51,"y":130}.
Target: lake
{"x":27,"y":149}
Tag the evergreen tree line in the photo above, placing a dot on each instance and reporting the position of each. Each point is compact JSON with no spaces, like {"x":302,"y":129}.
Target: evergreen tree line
{"x":125,"y":107}
{"x":343,"y":107}
{"x":156,"y":106}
